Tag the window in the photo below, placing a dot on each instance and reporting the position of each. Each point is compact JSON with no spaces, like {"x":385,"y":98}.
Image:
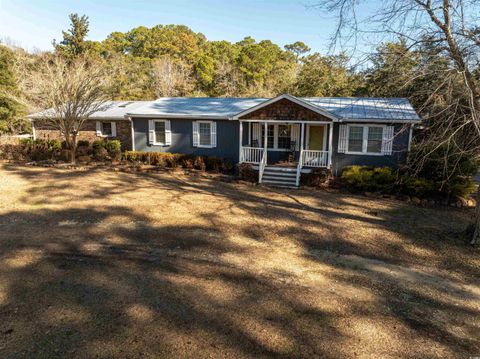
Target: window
{"x":375,"y":137}
{"x":204,"y":130}
{"x":160,"y":132}
{"x":270,"y":135}
{"x":284,"y":136}
{"x":355,"y":139}
{"x":365,"y":139}
{"x":106,"y":128}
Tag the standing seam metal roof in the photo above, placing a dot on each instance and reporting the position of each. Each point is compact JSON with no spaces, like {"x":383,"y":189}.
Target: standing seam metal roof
{"x":344,"y":108}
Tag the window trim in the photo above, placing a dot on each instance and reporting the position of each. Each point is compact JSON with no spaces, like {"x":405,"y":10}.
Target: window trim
{"x":211,"y":135}
{"x":102,"y":134}
{"x":155,"y":142}
{"x":364,"y":139}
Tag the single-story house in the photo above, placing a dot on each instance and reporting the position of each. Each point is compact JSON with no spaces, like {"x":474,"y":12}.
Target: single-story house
{"x":281,"y":137}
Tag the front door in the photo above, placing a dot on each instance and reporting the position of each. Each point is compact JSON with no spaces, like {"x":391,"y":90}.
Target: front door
{"x":316,"y":138}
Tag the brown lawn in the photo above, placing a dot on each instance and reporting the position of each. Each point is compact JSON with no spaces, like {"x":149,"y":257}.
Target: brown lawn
{"x":95,"y":263}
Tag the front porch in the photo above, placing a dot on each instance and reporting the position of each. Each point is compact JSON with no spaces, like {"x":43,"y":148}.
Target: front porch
{"x":290,"y":146}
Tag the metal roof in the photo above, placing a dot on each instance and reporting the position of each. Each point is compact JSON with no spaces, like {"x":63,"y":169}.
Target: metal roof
{"x":344,"y":108}
{"x":115,"y":110}
{"x":222,"y":107}
{"x":366,"y":108}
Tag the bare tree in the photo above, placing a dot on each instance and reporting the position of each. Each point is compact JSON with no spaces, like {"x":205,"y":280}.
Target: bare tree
{"x":171,"y":78}
{"x":450,"y":25}
{"x":71,"y":91}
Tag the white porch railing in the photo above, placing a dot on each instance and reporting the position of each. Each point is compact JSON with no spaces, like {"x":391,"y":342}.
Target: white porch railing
{"x":311,"y":158}
{"x":261,"y":168}
{"x":251,"y":155}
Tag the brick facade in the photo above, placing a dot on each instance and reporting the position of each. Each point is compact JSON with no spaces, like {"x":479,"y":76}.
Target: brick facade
{"x":285,"y":109}
{"x":88,"y":132}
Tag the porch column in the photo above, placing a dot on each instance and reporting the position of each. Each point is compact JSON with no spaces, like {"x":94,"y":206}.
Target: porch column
{"x":302,"y":139}
{"x":265,"y":137}
{"x":330,"y":145}
{"x":240,"y":156}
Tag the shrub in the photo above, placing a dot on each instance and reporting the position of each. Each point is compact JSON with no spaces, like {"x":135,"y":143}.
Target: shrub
{"x":363,"y":178}
{"x":100,"y":154}
{"x":83,"y":143}
{"x":113,"y":148}
{"x":133,"y":156}
{"x":156,"y":159}
{"x":416,"y":186}
{"x":55,"y":146}
{"x":199,"y":163}
{"x":97,"y":144}
{"x":188,"y":163}
{"x":314,"y":179}
{"x":461,"y":187}
{"x":214,"y":164}
{"x":172,"y":159}
{"x":247,"y":173}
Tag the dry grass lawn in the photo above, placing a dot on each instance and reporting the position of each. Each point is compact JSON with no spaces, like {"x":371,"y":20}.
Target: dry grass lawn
{"x":104,"y":264}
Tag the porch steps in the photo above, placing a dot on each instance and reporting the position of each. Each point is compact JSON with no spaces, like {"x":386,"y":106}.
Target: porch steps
{"x":278,"y":176}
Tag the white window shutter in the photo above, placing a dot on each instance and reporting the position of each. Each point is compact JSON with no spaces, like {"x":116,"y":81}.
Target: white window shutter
{"x":342,"y":139}
{"x":213,"y":134}
{"x":151,"y":132}
{"x":99,"y":128}
{"x":257,"y":133}
{"x":114,"y":129}
{"x":295,"y":136}
{"x":168,"y":133}
{"x":387,"y":143}
{"x":195,"y":134}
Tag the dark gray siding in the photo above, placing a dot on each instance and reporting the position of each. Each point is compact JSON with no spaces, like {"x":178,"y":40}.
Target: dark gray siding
{"x":399,"y":155}
{"x":227,"y":139}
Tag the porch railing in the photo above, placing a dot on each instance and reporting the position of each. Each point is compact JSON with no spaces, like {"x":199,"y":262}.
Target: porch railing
{"x":261,"y":168}
{"x":251,"y":155}
{"x":311,"y":158}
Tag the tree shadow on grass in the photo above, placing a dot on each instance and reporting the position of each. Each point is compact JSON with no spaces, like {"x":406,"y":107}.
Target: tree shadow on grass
{"x":116,"y":281}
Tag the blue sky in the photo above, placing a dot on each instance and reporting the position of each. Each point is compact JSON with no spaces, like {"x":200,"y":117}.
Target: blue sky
{"x":34,"y":23}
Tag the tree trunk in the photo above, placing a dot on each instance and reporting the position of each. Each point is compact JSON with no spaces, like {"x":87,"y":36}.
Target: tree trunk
{"x":476,"y":224}
{"x":73,"y":149}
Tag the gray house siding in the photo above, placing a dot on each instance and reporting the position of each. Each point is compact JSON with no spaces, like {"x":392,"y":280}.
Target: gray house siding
{"x":227,"y":139}
{"x":399,"y":154}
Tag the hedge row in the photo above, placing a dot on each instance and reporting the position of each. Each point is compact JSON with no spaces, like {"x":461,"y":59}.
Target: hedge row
{"x":174,"y":160}
{"x":388,"y":180}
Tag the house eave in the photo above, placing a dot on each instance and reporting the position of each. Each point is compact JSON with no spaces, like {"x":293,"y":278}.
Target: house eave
{"x":179,"y":116}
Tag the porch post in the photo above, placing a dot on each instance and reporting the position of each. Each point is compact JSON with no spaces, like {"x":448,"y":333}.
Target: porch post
{"x":330,"y":145}
{"x":302,"y":139}
{"x":240,"y":159}
{"x":265,"y":137}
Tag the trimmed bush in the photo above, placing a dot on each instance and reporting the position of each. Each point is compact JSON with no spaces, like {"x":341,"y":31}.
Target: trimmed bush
{"x":174,"y":160}
{"x":113,"y":148}
{"x":374,"y":179}
{"x":418,"y":187}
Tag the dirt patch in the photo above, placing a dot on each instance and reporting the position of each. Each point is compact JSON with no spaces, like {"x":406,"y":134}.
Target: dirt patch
{"x":110,"y":264}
